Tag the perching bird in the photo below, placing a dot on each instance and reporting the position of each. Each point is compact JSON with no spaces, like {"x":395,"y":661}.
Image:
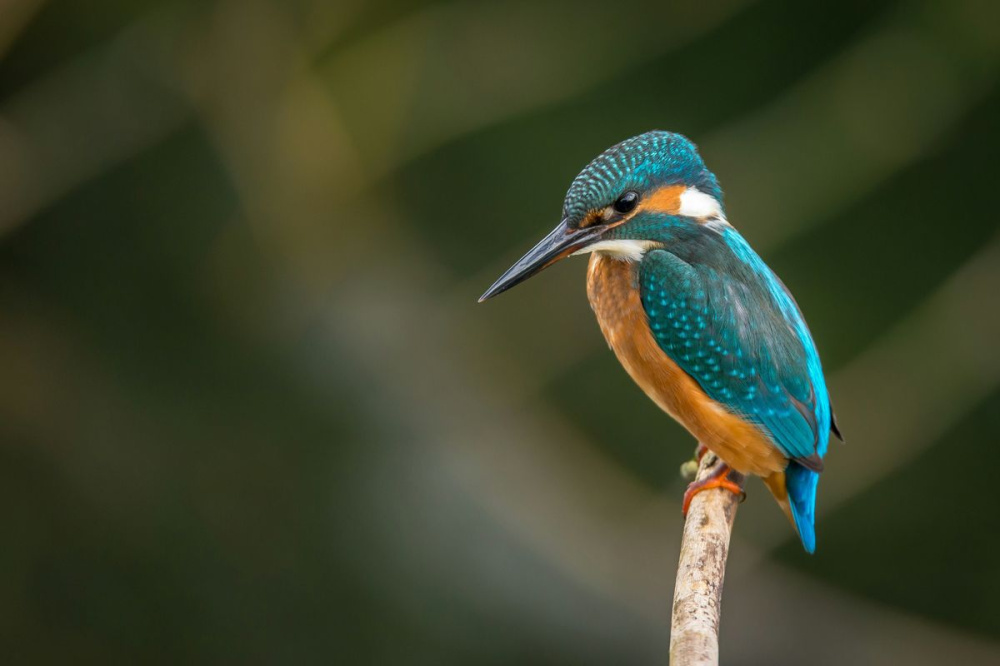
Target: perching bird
{"x":697,"y":318}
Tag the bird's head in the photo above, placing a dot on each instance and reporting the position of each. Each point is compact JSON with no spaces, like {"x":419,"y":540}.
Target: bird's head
{"x":622,"y":202}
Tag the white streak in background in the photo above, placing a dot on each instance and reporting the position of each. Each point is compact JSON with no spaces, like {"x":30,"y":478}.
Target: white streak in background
{"x":624,"y":249}
{"x":699,"y":205}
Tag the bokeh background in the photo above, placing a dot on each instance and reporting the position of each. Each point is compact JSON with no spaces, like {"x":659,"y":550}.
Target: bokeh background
{"x":250,"y":411}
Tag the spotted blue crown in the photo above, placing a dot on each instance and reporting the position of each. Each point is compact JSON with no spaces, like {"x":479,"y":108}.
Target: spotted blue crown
{"x":648,"y":160}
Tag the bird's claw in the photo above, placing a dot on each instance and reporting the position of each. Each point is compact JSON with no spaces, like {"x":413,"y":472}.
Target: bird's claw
{"x":718,"y":479}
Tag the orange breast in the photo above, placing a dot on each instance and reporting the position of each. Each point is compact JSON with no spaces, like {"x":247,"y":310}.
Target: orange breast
{"x":614,"y":296}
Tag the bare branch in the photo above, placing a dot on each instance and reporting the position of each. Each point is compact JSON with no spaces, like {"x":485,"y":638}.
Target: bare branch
{"x":694,"y":627}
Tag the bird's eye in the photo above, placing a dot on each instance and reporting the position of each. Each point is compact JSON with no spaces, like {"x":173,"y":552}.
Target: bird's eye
{"x":627,"y":202}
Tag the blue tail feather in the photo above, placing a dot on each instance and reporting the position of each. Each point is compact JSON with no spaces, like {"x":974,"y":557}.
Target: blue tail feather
{"x":801,"y":484}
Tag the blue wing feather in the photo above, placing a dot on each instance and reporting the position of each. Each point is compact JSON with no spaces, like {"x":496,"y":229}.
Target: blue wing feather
{"x":726,"y":319}
{"x":739,"y":334}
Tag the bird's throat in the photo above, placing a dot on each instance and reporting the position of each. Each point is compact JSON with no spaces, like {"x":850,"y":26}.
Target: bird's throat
{"x":621,"y":249}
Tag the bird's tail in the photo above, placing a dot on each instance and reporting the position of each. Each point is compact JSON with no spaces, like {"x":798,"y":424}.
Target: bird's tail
{"x":795,"y":490}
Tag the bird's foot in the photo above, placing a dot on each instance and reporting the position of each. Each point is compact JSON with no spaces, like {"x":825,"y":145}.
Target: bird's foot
{"x":689,"y":469}
{"x":720,"y":478}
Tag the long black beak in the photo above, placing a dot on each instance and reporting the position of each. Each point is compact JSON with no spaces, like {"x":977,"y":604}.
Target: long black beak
{"x":560,"y":243}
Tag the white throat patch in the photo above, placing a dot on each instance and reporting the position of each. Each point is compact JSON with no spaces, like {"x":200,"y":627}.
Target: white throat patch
{"x":621,"y":249}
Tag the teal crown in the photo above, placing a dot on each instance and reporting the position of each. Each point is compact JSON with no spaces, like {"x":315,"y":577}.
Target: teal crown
{"x":641,"y":163}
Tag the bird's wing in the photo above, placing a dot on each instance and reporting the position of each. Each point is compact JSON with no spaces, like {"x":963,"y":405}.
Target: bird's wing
{"x":741,"y":345}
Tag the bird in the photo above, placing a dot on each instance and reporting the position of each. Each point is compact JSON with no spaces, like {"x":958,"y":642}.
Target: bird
{"x":705,"y":328}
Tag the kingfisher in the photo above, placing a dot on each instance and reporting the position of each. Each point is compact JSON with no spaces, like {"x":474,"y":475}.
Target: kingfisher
{"x":695,"y":316}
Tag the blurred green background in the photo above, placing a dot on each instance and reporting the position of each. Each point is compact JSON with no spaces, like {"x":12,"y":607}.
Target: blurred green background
{"x":250,"y":411}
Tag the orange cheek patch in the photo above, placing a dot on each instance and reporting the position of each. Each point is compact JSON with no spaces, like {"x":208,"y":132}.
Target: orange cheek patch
{"x":665,"y":200}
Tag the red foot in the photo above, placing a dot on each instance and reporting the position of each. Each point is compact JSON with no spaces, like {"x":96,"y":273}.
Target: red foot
{"x":718,"y":479}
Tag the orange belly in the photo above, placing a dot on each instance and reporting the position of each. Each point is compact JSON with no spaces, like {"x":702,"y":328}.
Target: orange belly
{"x":614,"y":296}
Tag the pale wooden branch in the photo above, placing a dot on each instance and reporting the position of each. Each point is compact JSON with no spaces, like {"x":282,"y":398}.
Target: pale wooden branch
{"x":694,"y":627}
